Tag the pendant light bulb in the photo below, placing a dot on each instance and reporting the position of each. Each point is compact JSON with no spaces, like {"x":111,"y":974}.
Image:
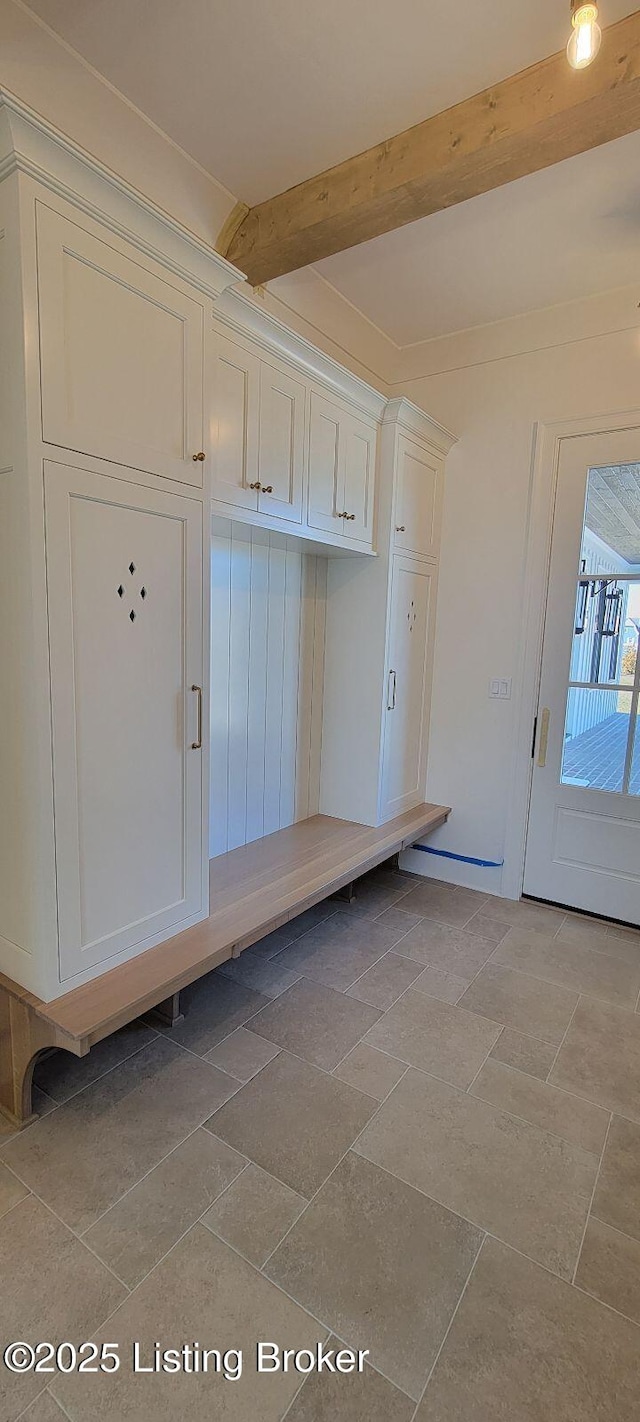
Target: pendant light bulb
{"x":584,"y":41}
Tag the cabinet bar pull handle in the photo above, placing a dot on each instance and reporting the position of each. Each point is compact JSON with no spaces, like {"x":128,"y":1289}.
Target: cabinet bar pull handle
{"x":197,"y":458}
{"x":544,"y":737}
{"x":391,"y":692}
{"x":197,"y":745}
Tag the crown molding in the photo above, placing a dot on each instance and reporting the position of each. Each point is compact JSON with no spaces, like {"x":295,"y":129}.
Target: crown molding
{"x":30,"y":145}
{"x":413,"y":421}
{"x":236,"y":311}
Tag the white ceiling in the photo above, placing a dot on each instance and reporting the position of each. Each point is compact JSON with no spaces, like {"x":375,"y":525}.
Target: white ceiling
{"x":265,"y":93}
{"x":570,"y":231}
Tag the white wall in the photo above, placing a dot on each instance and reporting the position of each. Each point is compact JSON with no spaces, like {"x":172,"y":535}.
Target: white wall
{"x":268,"y":601}
{"x":492,"y":402}
{"x":46,"y":74}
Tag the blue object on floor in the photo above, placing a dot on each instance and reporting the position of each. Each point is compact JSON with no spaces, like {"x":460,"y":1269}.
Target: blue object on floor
{"x":464,"y":858}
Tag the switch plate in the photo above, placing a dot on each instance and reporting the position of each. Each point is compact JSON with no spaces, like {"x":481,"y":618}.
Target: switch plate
{"x":500,"y":688}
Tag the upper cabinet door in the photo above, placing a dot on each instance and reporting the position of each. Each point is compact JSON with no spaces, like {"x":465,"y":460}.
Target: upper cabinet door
{"x":281,"y":457}
{"x":417,"y":506}
{"x":326,"y":466}
{"x":359,"y":460}
{"x":121,"y":353}
{"x":124,"y":581}
{"x":235,"y":423}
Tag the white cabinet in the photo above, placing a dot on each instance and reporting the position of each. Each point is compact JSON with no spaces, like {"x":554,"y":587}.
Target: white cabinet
{"x":342,"y":450}
{"x":281,"y":445}
{"x":234,"y":390}
{"x":325,"y":506}
{"x":359,"y":444}
{"x":125,"y":598}
{"x":408,"y":674}
{"x":122,"y":352}
{"x":380,"y":631}
{"x":416,"y":527}
{"x":257,"y":433}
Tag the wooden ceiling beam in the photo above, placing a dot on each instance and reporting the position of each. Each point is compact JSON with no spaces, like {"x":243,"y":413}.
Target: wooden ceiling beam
{"x":527,"y":122}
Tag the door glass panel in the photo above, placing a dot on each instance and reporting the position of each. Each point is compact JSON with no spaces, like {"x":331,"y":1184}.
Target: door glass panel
{"x":595,"y":738}
{"x":634,"y":783}
{"x":611,"y":535}
{"x":600,"y":739}
{"x":600,"y":636}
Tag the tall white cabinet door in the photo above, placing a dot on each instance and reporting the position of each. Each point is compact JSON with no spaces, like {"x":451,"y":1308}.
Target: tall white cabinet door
{"x":359,"y":455}
{"x":122,"y":355}
{"x":281,"y":459}
{"x":124,"y":577}
{"x":417,"y":505}
{"x":404,"y":768}
{"x":326,"y":466}
{"x":235,"y":424}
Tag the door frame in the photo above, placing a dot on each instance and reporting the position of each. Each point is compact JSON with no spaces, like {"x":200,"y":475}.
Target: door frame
{"x":548,"y":437}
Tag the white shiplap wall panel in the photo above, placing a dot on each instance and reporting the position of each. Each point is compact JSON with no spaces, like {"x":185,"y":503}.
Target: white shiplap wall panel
{"x":267,"y":657}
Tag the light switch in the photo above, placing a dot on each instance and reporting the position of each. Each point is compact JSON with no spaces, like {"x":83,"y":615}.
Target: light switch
{"x":500,"y":687}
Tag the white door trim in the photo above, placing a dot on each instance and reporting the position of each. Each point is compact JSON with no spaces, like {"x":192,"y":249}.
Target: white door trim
{"x":545,"y":454}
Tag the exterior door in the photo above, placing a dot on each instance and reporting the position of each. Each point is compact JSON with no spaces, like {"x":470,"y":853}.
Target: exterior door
{"x":583,"y":843}
{"x":122,"y":354}
{"x":404,"y":770}
{"x":124,"y":577}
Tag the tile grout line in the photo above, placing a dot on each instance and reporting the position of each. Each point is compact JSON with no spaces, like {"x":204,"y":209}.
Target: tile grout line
{"x":32,"y":1403}
{"x":593,"y":1194}
{"x":547,"y":1080}
{"x":58,"y":1105}
{"x":107,"y":1072}
{"x":332,"y":1172}
{"x":448,"y":1329}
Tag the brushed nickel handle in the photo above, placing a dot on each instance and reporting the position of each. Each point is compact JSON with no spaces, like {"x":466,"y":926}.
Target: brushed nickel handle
{"x":267,"y":488}
{"x":544,"y":737}
{"x":197,"y":745}
{"x":391,"y":692}
{"x":400,"y":528}
{"x":198,"y":458}
{"x":257,"y":485}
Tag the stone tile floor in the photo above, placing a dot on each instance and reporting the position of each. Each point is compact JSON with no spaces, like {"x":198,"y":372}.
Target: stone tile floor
{"x":409,"y":1125}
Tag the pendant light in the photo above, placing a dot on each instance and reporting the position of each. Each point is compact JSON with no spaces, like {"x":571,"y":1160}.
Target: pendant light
{"x":584,"y":41}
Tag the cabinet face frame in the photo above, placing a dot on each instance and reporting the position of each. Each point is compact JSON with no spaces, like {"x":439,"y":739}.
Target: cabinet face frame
{"x":63,"y":484}
{"x":62,"y":240}
{"x":418,"y":499}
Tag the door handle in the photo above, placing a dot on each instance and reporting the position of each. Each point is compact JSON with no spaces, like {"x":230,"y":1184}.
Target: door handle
{"x":197,"y":744}
{"x":545,"y":718}
{"x":391,"y":692}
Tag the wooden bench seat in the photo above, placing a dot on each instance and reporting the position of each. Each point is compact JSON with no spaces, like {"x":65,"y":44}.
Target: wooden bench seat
{"x":253,"y":890}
